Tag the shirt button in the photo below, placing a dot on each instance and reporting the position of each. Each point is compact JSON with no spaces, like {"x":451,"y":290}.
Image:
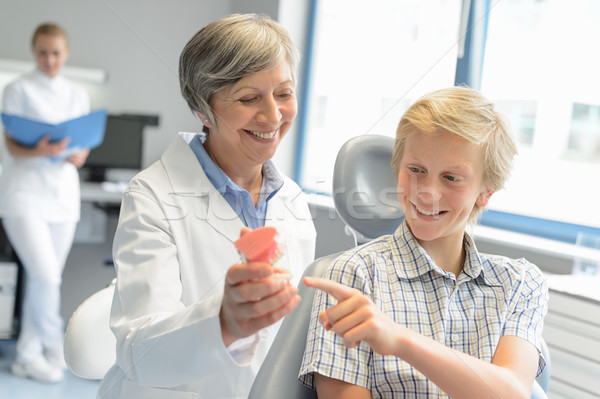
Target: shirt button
{"x":263,"y":334}
{"x":455,"y":337}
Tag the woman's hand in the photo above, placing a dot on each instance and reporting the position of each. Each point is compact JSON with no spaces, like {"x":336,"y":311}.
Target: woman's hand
{"x":257,"y":294}
{"x":43,"y":148}
{"x":78,"y":158}
{"x":356,"y":318}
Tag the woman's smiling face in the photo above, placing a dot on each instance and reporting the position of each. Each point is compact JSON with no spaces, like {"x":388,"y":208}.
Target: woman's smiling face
{"x":253,"y":115}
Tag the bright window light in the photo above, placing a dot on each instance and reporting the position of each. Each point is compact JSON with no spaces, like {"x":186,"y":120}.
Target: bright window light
{"x":541,"y":69}
{"x":371,"y":61}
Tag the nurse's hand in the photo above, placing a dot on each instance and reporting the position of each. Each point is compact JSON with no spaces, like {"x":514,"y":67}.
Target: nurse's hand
{"x":78,"y":158}
{"x":45,"y":148}
{"x":256,"y":296}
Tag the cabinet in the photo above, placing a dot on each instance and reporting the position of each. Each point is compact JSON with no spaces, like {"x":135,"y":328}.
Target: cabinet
{"x":572,"y":332}
{"x":10,"y":289}
{"x":8,"y":294}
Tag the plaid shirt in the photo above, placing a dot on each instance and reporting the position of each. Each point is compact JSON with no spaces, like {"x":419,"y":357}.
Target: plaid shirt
{"x":493,"y":296}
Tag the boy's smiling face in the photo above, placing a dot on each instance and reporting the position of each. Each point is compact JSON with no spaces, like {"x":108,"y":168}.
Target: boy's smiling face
{"x":440,"y":180}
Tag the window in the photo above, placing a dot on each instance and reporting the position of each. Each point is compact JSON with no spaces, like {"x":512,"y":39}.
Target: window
{"x":542,"y":72}
{"x":371,"y":60}
{"x":534,"y":58}
{"x":584,"y":133}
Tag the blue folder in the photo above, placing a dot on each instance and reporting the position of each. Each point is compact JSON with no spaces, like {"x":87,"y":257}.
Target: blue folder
{"x":86,"y":131}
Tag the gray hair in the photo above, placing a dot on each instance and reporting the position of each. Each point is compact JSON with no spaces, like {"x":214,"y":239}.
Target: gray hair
{"x":225,"y":51}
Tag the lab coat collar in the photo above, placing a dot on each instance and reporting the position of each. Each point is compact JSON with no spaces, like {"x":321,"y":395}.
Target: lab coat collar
{"x":189,"y":180}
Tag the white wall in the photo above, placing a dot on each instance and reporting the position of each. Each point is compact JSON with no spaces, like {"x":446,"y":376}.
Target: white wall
{"x":137,"y":42}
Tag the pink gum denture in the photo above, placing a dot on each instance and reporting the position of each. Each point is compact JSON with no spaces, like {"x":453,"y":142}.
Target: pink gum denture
{"x":259,"y":245}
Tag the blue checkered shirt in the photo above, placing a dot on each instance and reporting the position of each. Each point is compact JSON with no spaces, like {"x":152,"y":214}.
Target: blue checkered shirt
{"x":493,"y":296}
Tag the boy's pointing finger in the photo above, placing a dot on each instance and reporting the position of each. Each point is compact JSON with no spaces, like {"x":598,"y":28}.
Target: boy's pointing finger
{"x":337,"y":290}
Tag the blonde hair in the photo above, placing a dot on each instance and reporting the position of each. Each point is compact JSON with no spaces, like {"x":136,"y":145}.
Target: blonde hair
{"x":225,"y":51}
{"x":467,"y":113}
{"x":49,"y":29}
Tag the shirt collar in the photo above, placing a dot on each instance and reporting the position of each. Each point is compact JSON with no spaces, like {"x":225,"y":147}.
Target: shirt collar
{"x":217,"y":177}
{"x":473,"y":266}
{"x":413,"y":261}
{"x":53,"y":82}
{"x":478,"y":266}
{"x":272,"y":180}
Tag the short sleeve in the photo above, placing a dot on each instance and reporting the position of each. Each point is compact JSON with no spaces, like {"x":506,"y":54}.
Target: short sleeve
{"x":530,"y":306}
{"x":12,"y":100}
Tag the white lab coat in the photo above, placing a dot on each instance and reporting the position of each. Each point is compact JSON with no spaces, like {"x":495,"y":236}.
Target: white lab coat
{"x":36,"y":186}
{"x":172,"y":249}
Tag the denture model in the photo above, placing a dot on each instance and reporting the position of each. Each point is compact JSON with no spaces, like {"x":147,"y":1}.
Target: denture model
{"x":260,"y":245}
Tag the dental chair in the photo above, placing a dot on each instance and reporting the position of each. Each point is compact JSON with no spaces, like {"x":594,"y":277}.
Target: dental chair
{"x":90,"y":346}
{"x":365,"y":198}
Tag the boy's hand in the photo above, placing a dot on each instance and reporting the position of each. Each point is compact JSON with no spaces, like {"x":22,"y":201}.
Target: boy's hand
{"x":356,"y":318}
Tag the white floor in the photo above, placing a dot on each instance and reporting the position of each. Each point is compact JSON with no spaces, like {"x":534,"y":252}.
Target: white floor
{"x":86,"y":272}
{"x":12,"y":387}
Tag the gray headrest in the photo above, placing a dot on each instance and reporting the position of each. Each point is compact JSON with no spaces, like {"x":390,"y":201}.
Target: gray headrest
{"x":364,"y":186}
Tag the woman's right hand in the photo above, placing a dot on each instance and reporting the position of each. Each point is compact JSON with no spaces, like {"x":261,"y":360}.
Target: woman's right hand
{"x":256,"y":296}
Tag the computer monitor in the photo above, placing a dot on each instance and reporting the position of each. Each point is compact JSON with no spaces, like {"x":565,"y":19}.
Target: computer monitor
{"x":120,"y":149}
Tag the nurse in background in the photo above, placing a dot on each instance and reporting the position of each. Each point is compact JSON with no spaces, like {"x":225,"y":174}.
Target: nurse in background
{"x":40,"y":202}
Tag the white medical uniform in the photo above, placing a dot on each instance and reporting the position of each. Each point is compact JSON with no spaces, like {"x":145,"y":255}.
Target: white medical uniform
{"x":40,"y":206}
{"x":173,"y":246}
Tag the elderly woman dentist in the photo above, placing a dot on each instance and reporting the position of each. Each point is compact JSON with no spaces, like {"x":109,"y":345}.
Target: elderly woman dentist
{"x":191,"y":319}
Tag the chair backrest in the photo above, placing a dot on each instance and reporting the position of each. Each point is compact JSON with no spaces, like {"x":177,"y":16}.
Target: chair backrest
{"x":543,"y":379}
{"x":364,"y":187}
{"x":90,"y":346}
{"x":365,"y":197}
